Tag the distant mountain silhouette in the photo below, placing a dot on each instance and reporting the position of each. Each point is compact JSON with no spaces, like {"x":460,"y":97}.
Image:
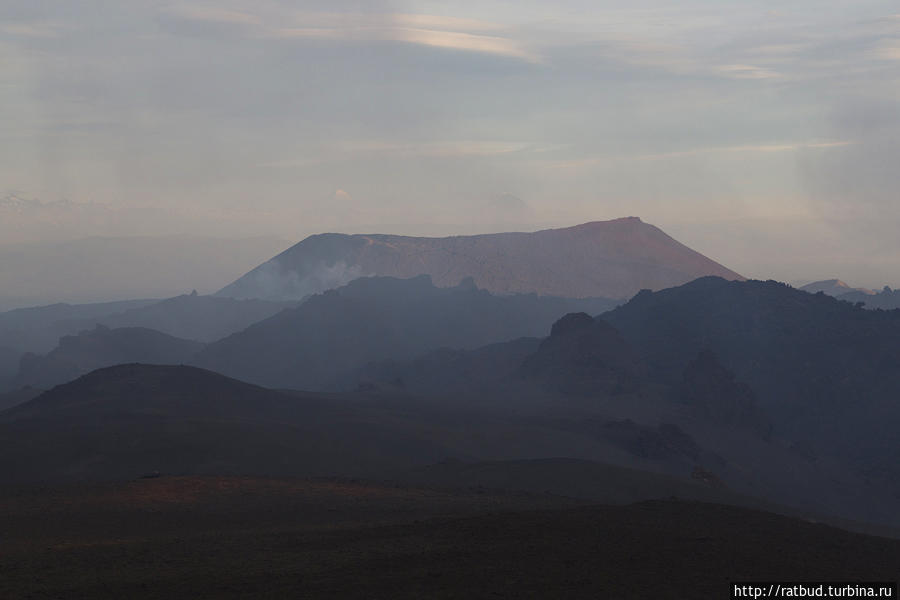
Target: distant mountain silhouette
{"x":130,"y":266}
{"x":101,"y":347}
{"x":379,"y":318}
{"x":833,"y":287}
{"x":38,"y":329}
{"x":203,"y":318}
{"x":612,"y":259}
{"x":193,"y":317}
{"x":886,"y":299}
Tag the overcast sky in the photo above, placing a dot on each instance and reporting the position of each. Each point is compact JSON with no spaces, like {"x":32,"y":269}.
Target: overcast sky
{"x":764,"y":134}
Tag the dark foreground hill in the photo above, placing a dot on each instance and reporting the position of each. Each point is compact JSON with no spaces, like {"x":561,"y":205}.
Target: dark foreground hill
{"x":19,"y":396}
{"x":129,"y":420}
{"x":125,"y":421}
{"x":239,"y":538}
{"x":378,"y":318}
{"x":610,"y":259}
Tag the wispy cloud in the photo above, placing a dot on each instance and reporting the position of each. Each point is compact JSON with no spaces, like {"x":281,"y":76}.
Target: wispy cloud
{"x":748,"y":72}
{"x":437,"y":31}
{"x":30,"y":30}
{"x":454,"y":40}
{"x":440,"y":22}
{"x":887,"y":50}
{"x":743,"y":148}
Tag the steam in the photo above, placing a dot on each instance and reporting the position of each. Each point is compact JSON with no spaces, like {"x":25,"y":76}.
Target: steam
{"x":273,"y":282}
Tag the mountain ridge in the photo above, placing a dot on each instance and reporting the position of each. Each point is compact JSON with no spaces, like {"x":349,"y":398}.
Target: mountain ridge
{"x":612,"y":259}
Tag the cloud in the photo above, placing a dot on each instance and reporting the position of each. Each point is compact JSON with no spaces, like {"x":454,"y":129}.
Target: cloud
{"x":440,"y":22}
{"x":748,"y":72}
{"x":888,"y":50}
{"x":452,"y":40}
{"x":744,"y":148}
{"x":437,"y":31}
{"x":30,"y":30}
{"x":273,"y":21}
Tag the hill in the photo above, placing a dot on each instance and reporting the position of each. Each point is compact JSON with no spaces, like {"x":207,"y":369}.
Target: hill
{"x":101,"y":347}
{"x":611,"y":259}
{"x":124,"y":421}
{"x":196,"y":317}
{"x":377,"y":318}
{"x":38,"y":328}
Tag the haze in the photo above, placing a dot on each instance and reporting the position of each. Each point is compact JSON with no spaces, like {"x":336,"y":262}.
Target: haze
{"x":763,"y":134}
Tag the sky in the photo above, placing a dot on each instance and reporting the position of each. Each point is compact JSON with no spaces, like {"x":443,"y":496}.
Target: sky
{"x":764,"y":134}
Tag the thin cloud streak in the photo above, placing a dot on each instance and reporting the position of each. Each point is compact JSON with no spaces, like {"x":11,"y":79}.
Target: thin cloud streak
{"x":438,"y":31}
{"x":751,"y":148}
{"x":452,"y":40}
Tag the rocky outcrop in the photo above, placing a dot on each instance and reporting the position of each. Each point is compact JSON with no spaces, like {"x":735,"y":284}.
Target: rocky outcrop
{"x":584,"y":356}
{"x":711,"y":390}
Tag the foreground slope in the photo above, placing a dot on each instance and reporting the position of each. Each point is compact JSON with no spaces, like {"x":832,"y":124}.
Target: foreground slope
{"x":612,"y":259}
{"x":240,"y":538}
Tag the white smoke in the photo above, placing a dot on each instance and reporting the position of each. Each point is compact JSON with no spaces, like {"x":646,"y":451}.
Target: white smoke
{"x":273,"y":282}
